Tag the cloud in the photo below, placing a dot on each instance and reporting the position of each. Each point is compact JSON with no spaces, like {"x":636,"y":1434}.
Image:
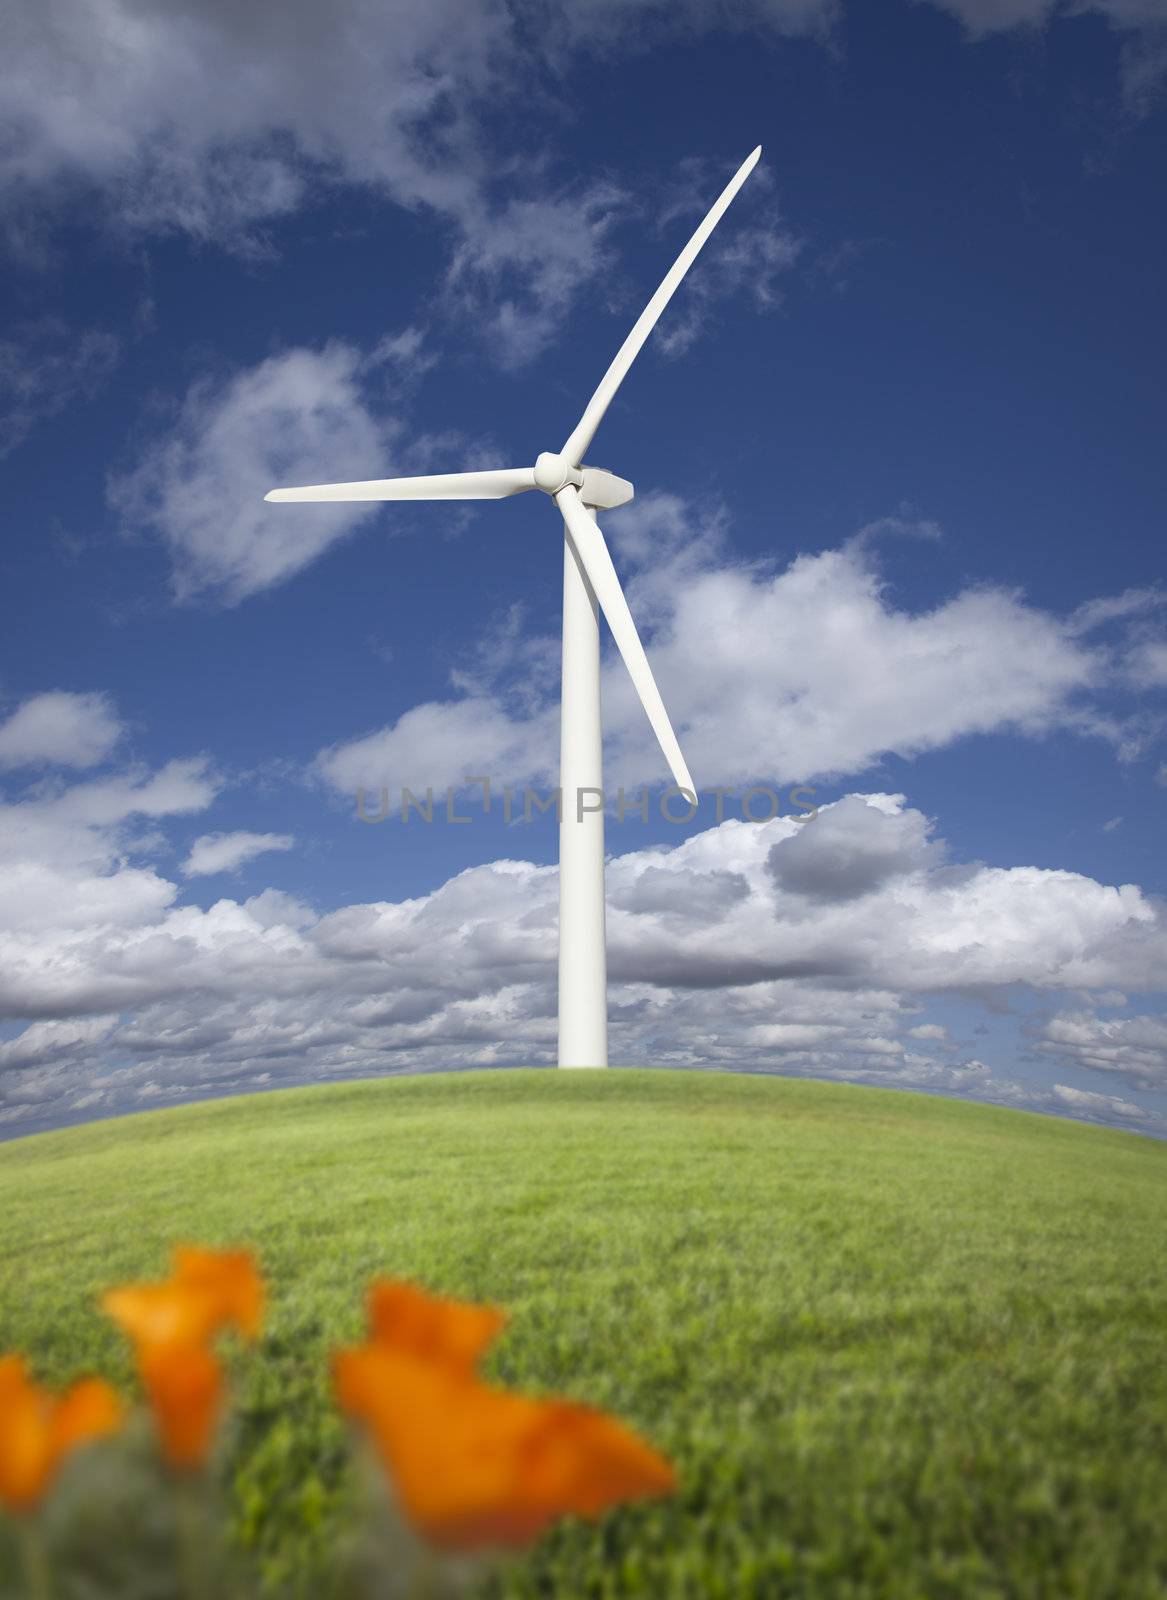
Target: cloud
{"x":993,"y":16}
{"x":599,"y":26}
{"x":1147,"y":663}
{"x":1140,"y":24}
{"x":44,"y":368}
{"x":528,"y":260}
{"x":45,"y":1042}
{"x":299,"y":417}
{"x":67,"y":855}
{"x":787,"y":673}
{"x":747,"y":260}
{"x":210,"y":118}
{"x":1107,"y":1107}
{"x":439,"y":744}
{"x":218,"y":122}
{"x":60,"y":728}
{"x":227,"y":852}
{"x":711,"y":964}
{"x":855,"y":849}
{"x":1134,"y":1048}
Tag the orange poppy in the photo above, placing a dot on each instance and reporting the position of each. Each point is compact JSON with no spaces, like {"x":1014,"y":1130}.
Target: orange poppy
{"x":231,"y":1277}
{"x":38,"y":1430}
{"x":156,"y":1315}
{"x":172,"y":1324}
{"x":454,"y":1332}
{"x":475,"y":1465}
{"x":185,"y":1387}
{"x":207,"y":1289}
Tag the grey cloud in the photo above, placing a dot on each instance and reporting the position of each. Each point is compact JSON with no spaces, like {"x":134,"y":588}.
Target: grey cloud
{"x":852,"y":849}
{"x":1133,"y":1048}
{"x":706,"y":896}
{"x":183,"y":1000}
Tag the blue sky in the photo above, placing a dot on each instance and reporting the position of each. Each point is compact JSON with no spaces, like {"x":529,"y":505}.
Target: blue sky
{"x":897,"y":537}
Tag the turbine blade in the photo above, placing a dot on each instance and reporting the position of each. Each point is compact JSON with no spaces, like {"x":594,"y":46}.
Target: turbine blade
{"x":592,"y":551}
{"x":443,"y":486}
{"x":576,"y":447}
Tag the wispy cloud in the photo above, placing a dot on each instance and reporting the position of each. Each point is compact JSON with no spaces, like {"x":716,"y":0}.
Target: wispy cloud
{"x":227,"y":852}
{"x":299,"y":417}
{"x":217,"y":122}
{"x":46,"y":366}
{"x":1140,"y":25}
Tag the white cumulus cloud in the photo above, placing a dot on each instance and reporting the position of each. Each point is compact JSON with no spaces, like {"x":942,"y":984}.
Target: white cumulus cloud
{"x":227,"y":852}
{"x":790,"y":672}
{"x":711,"y":963}
{"x":60,"y":729}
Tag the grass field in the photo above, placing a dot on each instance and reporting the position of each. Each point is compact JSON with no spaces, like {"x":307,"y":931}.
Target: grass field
{"x":899,"y":1346}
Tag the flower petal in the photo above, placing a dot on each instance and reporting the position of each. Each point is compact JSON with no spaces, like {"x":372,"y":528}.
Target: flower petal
{"x":38,"y":1430}
{"x":185,"y":1386}
{"x":432,"y":1328}
{"x":477,"y":1466}
{"x":163,"y":1313}
{"x":231,"y":1276}
{"x":89,"y":1410}
{"x":25,"y":1456}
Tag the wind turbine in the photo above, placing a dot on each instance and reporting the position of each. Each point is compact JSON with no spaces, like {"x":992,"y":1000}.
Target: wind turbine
{"x":590,"y":585}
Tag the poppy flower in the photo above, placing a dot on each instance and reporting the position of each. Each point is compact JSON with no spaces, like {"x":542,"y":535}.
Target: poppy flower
{"x":230,"y":1277}
{"x":453,"y":1332}
{"x":156,"y":1315}
{"x":475,"y":1465}
{"x":207,"y":1290}
{"x":171,"y":1324}
{"x":185,"y":1388}
{"x":38,"y":1430}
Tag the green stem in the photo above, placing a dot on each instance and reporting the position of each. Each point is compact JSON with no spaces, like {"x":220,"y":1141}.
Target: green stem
{"x":192,"y":1534}
{"x":425,"y":1578}
{"x":36,"y":1562}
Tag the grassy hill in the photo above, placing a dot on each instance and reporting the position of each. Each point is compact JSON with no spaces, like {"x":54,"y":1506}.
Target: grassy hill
{"x":899,"y":1346}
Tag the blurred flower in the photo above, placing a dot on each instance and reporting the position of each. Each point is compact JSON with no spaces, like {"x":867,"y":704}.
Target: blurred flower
{"x":207,"y":1290}
{"x":38,"y":1429}
{"x":163,"y":1314}
{"x":453,"y":1332}
{"x":475,"y":1465}
{"x":185,"y":1387}
{"x":229,"y":1277}
{"x":171,"y":1324}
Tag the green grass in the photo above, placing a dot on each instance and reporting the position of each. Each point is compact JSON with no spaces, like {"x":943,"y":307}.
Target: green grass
{"x":898,"y":1345}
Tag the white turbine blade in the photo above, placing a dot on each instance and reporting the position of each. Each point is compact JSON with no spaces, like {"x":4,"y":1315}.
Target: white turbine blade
{"x":581,"y":438}
{"x":601,"y":574}
{"x":443,"y":486}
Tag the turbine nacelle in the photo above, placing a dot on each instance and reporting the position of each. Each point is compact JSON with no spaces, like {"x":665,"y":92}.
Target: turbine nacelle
{"x":554,"y":472}
{"x":597,"y":487}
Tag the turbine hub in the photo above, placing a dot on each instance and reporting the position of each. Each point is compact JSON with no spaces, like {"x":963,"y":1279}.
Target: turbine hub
{"x":553,"y":473}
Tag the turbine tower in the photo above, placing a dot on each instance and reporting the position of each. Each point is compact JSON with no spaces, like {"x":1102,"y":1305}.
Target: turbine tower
{"x":590,"y":585}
